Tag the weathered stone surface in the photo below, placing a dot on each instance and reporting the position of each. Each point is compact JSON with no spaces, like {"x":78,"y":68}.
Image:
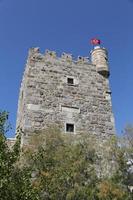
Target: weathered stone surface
{"x":47,"y":97}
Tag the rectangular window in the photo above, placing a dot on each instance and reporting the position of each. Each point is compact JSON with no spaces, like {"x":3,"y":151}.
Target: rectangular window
{"x":70,"y":128}
{"x":70,"y":81}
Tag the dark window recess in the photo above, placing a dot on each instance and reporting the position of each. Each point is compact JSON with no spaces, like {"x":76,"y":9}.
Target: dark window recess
{"x":108,"y":92}
{"x":22,"y":95}
{"x":106,"y":59}
{"x":69,"y":127}
{"x":70,"y":81}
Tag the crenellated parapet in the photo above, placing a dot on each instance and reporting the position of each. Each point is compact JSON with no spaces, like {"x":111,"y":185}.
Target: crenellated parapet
{"x":35,"y":55}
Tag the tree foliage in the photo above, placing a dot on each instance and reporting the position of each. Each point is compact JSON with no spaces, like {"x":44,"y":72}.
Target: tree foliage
{"x":64,"y":168}
{"x":56,"y":166}
{"x":14,"y":182}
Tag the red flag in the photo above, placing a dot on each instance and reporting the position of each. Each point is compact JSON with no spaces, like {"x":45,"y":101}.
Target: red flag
{"x":95,"y":41}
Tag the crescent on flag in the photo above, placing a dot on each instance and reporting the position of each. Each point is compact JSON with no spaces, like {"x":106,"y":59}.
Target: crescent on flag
{"x":95,"y":41}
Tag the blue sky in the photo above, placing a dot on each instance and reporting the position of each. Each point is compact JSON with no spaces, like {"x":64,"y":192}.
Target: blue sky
{"x":67,"y":26}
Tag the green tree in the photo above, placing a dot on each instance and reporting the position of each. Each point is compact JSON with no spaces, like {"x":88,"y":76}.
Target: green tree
{"x":116,"y":187}
{"x":15,"y":182}
{"x":63,"y":166}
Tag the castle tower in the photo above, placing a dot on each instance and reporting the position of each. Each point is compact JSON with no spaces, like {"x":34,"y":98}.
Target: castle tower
{"x":71,"y":94}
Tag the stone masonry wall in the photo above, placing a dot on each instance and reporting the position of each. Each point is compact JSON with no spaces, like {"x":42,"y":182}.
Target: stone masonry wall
{"x":46,"y":99}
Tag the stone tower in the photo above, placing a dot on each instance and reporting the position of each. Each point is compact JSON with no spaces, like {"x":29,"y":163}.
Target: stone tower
{"x":71,"y":94}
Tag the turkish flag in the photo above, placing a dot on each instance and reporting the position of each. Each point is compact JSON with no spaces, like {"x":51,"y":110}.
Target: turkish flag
{"x":95,"y":41}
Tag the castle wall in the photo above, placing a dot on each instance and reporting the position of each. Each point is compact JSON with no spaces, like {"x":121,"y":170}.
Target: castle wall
{"x":47,"y":99}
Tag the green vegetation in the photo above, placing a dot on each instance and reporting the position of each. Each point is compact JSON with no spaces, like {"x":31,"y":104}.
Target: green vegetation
{"x":56,"y":166}
{"x":15,"y":182}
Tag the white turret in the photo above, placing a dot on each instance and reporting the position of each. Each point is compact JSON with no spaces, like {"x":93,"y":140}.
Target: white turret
{"x":99,"y":57}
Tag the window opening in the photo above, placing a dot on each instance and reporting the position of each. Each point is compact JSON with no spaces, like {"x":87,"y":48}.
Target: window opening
{"x":70,"y":81}
{"x":70,"y":128}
